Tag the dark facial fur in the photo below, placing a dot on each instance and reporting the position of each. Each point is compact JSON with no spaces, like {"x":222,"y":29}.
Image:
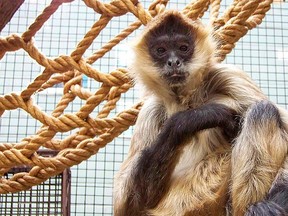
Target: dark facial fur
{"x":171,"y":47}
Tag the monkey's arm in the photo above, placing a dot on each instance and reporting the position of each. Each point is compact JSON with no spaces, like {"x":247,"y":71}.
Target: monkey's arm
{"x":149,"y":121}
{"x":156,"y":163}
{"x":184,"y":124}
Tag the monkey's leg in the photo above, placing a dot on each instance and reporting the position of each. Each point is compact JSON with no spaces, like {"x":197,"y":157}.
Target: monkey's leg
{"x":258,"y":154}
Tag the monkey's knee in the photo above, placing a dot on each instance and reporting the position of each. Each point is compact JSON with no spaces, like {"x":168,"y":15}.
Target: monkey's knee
{"x":264,"y":113}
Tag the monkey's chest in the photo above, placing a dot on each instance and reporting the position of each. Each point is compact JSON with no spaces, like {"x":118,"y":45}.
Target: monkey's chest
{"x":208,"y":143}
{"x":200,"y":181}
{"x":191,"y":155}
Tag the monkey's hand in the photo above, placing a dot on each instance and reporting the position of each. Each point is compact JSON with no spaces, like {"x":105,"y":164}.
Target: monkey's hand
{"x":231,"y":132}
{"x":184,"y":124}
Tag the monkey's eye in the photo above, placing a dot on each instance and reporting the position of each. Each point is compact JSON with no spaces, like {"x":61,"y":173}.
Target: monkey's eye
{"x":183,"y":48}
{"x":160,"y":50}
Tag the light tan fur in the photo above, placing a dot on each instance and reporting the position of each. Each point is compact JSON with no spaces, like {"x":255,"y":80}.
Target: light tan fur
{"x":210,"y":171}
{"x":253,"y":172}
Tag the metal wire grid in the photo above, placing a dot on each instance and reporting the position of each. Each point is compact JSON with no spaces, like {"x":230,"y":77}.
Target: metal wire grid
{"x":44,"y":199}
{"x":263,"y":53}
{"x":52,"y":197}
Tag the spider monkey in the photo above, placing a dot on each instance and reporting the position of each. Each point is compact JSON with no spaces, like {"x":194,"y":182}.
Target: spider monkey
{"x":207,"y":140}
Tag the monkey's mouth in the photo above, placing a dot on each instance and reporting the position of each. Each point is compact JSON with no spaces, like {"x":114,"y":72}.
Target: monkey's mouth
{"x":176,"y":77}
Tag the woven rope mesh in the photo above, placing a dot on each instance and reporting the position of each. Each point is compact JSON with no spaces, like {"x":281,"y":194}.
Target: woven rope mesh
{"x":78,"y":132}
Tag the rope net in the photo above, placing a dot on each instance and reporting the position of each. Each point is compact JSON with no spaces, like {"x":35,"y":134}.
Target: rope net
{"x":92,"y":133}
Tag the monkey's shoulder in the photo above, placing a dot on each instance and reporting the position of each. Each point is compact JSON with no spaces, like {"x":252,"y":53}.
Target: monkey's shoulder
{"x":228,"y":71}
{"x":230,"y":79}
{"x":152,"y":114}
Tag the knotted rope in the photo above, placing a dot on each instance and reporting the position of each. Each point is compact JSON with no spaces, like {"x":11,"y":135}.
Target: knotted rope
{"x":94,"y":133}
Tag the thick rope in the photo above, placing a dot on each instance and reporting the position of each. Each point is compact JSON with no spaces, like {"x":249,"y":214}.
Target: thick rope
{"x":93,"y":133}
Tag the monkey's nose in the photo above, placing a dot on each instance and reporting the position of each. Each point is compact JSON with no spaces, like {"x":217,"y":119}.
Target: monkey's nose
{"x":174,"y":63}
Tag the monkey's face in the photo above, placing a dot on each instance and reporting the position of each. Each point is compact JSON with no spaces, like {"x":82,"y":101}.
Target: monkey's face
{"x":171,"y":47}
{"x":171,"y":52}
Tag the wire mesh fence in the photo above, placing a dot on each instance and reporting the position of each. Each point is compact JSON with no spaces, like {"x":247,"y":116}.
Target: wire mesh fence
{"x":52,"y":197}
{"x":263,"y":53}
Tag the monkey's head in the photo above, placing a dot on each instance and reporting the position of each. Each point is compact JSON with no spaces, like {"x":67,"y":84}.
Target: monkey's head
{"x":171,"y":52}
